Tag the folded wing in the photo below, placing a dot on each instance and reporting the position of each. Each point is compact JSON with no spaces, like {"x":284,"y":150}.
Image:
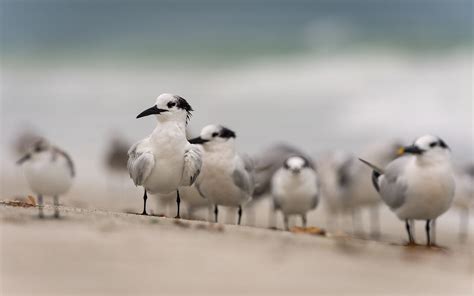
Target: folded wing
{"x":140,"y":162}
{"x":244,"y":174}
{"x":192,"y":164}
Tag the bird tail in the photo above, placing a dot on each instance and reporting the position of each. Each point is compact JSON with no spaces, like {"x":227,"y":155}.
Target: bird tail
{"x":374,"y":167}
{"x":376,"y":173}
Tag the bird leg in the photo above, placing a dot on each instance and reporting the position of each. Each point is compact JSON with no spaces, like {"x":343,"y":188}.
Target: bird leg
{"x":216,"y":213}
{"x":56,"y":207}
{"x":464,"y":225}
{"x":145,"y":197}
{"x":303,"y":220}
{"x":428,"y":234}
{"x":374,"y":222}
{"x":178,"y":201}
{"x":410,"y":237}
{"x":272,"y":218}
{"x":40,"y":206}
{"x":356,"y":222}
{"x":285,"y":221}
{"x":240,"y":215}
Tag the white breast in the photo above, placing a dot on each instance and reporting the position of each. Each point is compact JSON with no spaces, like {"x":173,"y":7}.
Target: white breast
{"x":47,"y":175}
{"x":168,"y":147}
{"x":216,"y":181}
{"x":295,"y":194}
{"x":429,"y":194}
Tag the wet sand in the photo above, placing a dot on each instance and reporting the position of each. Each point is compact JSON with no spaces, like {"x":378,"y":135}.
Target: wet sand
{"x":95,"y":252}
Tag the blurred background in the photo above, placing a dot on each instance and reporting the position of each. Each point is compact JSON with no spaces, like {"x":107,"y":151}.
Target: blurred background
{"x":321,"y":75}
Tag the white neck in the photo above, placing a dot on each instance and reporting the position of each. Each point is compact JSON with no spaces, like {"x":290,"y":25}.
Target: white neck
{"x":169,"y":129}
{"x":224,"y":148}
{"x":433,"y":159}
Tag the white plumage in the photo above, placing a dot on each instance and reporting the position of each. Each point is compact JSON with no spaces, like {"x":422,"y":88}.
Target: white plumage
{"x":49,"y":172}
{"x":226,"y":179}
{"x":165,"y":160}
{"x":295,"y":188}
{"x":420,"y":184}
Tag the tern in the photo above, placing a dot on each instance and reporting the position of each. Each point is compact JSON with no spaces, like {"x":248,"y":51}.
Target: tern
{"x":165,"y":160}
{"x":49,"y":171}
{"x":227,"y":178}
{"x":419,"y":185}
{"x":295,"y":188}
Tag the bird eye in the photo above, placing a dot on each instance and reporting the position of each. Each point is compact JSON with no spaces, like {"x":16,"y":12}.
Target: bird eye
{"x":37,"y":149}
{"x":171,"y":104}
{"x":433,"y":144}
{"x":214,"y":135}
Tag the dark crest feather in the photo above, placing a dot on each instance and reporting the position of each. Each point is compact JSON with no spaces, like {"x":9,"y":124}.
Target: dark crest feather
{"x":226,"y":133}
{"x":443,"y":144}
{"x":181,"y":103}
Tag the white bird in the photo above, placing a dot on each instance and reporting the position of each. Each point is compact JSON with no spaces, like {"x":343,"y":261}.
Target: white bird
{"x":49,"y":172}
{"x":268,"y":162}
{"x":464,"y":198}
{"x":226,"y":179}
{"x":295,"y":188}
{"x":418,"y":185}
{"x":165,"y":160}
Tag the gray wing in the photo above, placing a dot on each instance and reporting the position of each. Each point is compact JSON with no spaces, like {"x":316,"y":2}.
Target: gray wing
{"x":392,"y":184}
{"x":140,"y":163}
{"x":244,"y":174}
{"x":268,"y":162}
{"x":192,"y":165}
{"x":68,"y":158}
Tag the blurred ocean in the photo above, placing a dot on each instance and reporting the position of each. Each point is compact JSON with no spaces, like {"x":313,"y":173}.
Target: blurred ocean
{"x":320,"y":74}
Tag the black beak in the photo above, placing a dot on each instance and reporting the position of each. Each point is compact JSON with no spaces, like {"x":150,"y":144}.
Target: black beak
{"x":412,"y":149}
{"x":23,"y":159}
{"x":151,"y":111}
{"x":198,"y":140}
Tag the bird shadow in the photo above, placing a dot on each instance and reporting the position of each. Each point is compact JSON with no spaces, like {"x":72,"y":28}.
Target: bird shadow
{"x":422,"y":247}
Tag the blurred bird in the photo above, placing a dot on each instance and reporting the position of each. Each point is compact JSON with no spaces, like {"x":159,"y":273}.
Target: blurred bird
{"x":295,"y":188}
{"x":266,"y":164}
{"x":49,"y":172}
{"x":333,"y":175}
{"x":353,"y":190}
{"x":418,"y":185}
{"x":25,"y":139}
{"x":116,"y":155}
{"x":464,"y":198}
{"x":227,"y":179}
{"x":165,"y":160}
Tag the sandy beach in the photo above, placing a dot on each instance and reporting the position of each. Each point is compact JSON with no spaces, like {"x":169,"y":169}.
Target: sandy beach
{"x":95,"y":252}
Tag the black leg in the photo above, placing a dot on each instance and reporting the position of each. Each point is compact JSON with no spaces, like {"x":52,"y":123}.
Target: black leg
{"x":410,"y":237}
{"x":303,"y":220}
{"x":145,"y":197}
{"x":240,"y":215}
{"x":285,"y":221}
{"x":40,"y":206}
{"x":178,"y":201}
{"x":216,"y":213}
{"x":56,"y":207}
{"x":428,"y":234}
